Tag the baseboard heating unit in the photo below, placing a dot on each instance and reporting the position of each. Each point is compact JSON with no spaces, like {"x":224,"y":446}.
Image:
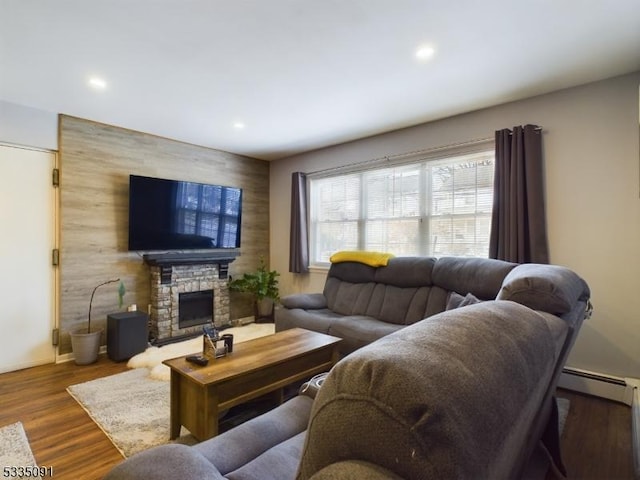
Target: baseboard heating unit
{"x":624,"y":390}
{"x":635,"y":430}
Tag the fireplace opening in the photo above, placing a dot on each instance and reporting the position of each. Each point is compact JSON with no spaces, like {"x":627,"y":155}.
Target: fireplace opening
{"x":195,"y":308}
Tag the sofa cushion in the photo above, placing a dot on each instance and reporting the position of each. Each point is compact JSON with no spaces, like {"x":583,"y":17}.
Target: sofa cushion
{"x":348,"y":298}
{"x":392,"y":304}
{"x":481,"y":276}
{"x":437,"y":301}
{"x":316,"y":320}
{"x":277,"y":463}
{"x":357,"y":331}
{"x":406,"y":272}
{"x":353,"y":272}
{"x":456,"y":395}
{"x":550,"y":288}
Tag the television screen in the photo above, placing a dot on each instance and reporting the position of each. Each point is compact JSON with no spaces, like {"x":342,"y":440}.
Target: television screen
{"x":175,"y":215}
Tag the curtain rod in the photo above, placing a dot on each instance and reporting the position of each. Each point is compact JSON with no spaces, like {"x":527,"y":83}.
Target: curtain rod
{"x":400,"y":156}
{"x":537,"y":128}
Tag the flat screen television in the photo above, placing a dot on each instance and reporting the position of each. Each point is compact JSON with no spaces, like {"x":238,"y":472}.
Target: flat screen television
{"x":175,"y":215}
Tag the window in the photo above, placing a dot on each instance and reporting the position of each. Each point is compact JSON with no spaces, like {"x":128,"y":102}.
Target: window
{"x":432,"y":207}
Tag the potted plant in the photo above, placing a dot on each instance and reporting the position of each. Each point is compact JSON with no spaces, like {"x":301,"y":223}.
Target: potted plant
{"x":263,"y":286}
{"x":85,"y":344}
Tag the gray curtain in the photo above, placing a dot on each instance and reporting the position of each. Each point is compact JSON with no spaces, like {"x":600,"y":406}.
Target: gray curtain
{"x":298,"y":236}
{"x":518,"y":224}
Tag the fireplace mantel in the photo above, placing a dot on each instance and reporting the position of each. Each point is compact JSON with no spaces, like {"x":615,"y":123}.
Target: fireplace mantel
{"x":190,"y":258}
{"x":168,"y":260}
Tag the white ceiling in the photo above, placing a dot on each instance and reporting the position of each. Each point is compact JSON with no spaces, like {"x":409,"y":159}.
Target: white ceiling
{"x":301,"y":74}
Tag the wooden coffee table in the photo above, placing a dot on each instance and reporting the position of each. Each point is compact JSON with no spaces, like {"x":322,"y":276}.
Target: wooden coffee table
{"x":254,"y":368}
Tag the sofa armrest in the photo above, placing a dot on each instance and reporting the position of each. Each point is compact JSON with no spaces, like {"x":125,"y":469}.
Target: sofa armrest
{"x":549,"y":288}
{"x":306,"y":301}
{"x":170,"y":462}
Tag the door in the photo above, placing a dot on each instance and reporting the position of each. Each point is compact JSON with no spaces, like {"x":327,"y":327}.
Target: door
{"x":27,"y":237}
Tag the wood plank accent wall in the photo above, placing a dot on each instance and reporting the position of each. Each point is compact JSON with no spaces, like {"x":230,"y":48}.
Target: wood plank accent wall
{"x":95,"y":163}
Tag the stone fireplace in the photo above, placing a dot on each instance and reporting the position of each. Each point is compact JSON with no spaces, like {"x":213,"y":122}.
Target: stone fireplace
{"x":187,"y":292}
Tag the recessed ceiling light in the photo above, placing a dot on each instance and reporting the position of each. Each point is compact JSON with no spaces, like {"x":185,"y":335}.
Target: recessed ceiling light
{"x":97,"y":83}
{"x":238,"y":125}
{"x":425,"y":52}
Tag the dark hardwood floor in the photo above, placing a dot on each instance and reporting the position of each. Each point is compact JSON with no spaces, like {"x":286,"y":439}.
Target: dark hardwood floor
{"x":596,"y":441}
{"x":60,"y":432}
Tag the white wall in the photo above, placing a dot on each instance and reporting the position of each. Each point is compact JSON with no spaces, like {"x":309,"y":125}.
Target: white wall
{"x":592,"y":157}
{"x":29,"y":127}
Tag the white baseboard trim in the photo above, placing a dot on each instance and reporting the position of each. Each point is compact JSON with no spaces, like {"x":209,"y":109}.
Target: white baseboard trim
{"x":635,"y":429}
{"x":68,"y":357}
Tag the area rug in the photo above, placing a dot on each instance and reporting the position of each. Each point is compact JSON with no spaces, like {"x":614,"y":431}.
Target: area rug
{"x":15,"y":451}
{"x":132,"y":408}
{"x":153,"y":357}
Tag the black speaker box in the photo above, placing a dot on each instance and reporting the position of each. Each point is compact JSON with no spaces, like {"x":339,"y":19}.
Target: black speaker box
{"x":127,"y":334}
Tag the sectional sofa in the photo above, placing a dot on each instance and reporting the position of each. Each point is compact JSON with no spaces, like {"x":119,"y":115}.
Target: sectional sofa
{"x":467,"y":392}
{"x":361,"y":303}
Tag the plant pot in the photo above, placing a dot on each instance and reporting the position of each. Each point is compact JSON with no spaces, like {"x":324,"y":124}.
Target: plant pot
{"x":264,"y":310}
{"x":85,"y":346}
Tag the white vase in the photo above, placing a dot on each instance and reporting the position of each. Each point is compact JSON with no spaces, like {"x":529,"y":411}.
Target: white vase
{"x":85,"y":346}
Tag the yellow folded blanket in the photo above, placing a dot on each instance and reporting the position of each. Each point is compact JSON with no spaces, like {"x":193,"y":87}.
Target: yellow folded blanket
{"x":373,"y":259}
